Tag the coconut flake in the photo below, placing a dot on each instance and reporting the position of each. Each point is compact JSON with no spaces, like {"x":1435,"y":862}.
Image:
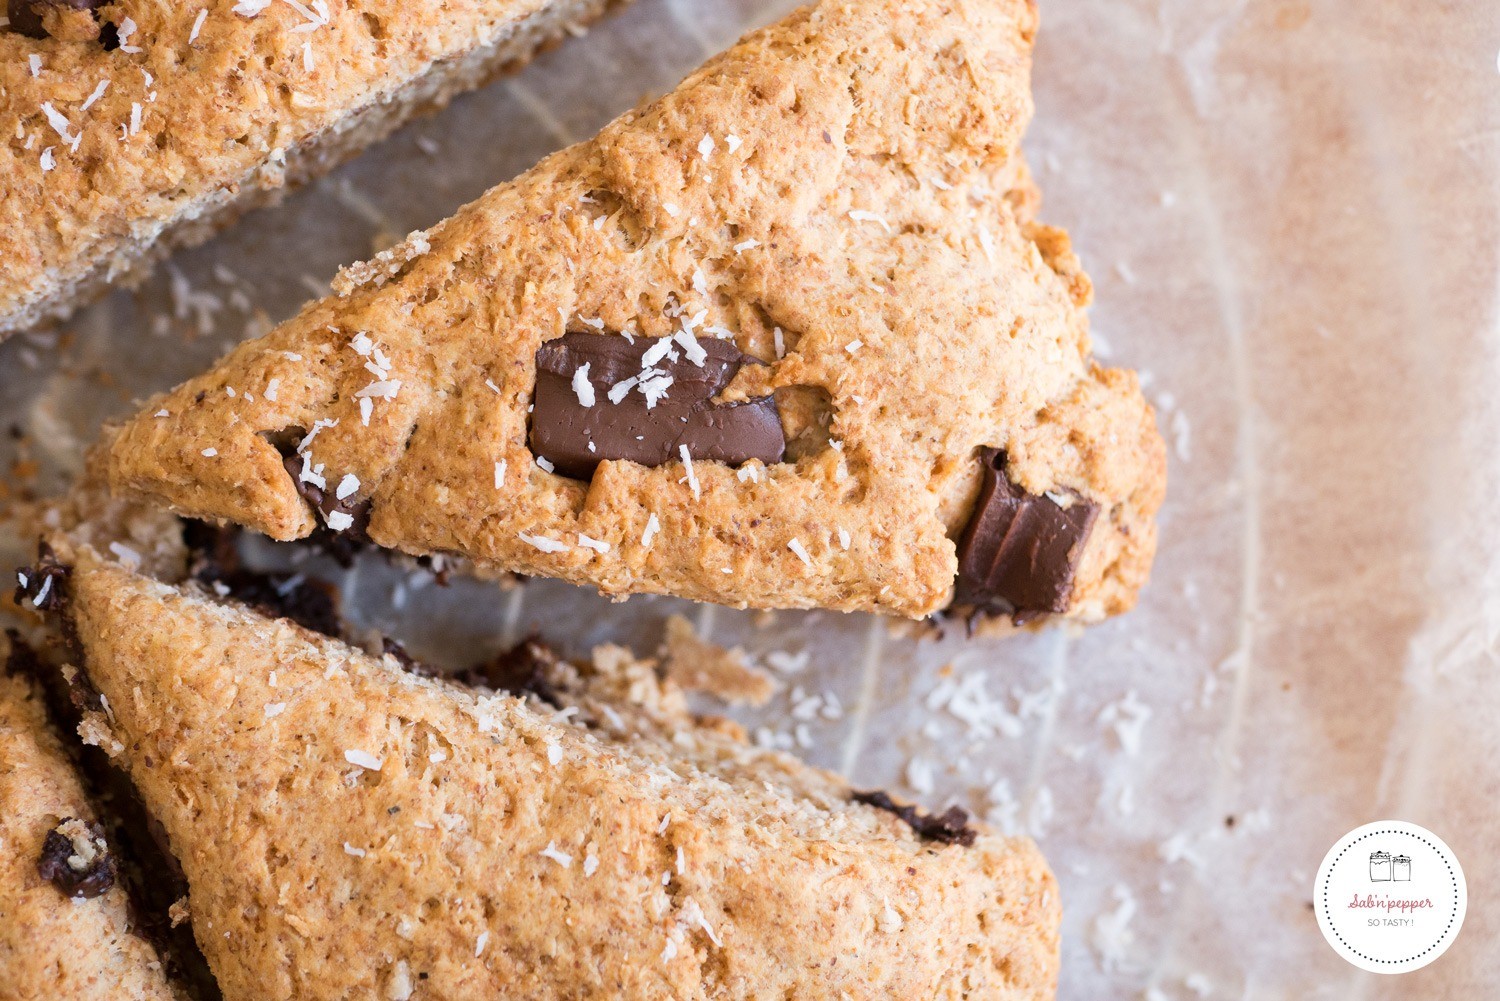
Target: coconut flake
{"x":499,"y":474}
{"x":706,"y":147}
{"x":59,"y":122}
{"x":127,"y":29}
{"x":797,"y":547}
{"x":363,"y":759}
{"x":692,"y":477}
{"x":340,"y":521}
{"x":197,"y":25}
{"x":652,"y":527}
{"x":581,"y":385}
{"x":861,"y":215}
{"x":543,"y":543}
{"x":594,"y":544}
{"x":129,"y":557}
{"x":561,"y":858}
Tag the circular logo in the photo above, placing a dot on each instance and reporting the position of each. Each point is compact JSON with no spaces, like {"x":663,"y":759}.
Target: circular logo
{"x":1390,"y":897}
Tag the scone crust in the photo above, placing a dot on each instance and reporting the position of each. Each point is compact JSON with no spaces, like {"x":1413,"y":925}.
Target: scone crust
{"x":849,"y":177}
{"x":53,"y":948}
{"x":349,"y":830}
{"x":202,"y":120}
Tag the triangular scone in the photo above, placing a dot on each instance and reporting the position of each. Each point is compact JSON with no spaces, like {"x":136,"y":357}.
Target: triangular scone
{"x":349,"y":829}
{"x":65,"y":929}
{"x":133,"y":126}
{"x":842,"y":196}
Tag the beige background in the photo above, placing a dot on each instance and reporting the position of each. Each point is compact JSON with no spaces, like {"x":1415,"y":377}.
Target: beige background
{"x":1289,"y":207}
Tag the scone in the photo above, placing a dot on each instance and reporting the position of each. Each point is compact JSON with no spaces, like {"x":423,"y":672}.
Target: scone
{"x":349,"y":828}
{"x":132,"y":126}
{"x":66,"y":932}
{"x":787,"y":337}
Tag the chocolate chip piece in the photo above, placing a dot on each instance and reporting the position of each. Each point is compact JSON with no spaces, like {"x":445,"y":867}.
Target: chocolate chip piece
{"x":76,"y":860}
{"x":1019,"y":553}
{"x":951,"y":827}
{"x":43,"y":585}
{"x":645,"y":412}
{"x":343,"y":543}
{"x":30,"y":17}
{"x":335,"y":511}
{"x":521,"y":670}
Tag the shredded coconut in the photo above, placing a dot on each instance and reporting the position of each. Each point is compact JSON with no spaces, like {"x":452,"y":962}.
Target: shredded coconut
{"x":692,"y":477}
{"x":363,"y":759}
{"x":561,"y":858}
{"x":543,"y":543}
{"x":861,"y":215}
{"x":582,"y":387}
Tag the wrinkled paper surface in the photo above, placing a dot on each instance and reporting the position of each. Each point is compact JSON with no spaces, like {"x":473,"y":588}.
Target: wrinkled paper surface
{"x":1289,"y":208}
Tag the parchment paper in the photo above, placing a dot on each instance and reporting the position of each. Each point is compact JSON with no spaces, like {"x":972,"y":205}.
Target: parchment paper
{"x":1289,"y":207}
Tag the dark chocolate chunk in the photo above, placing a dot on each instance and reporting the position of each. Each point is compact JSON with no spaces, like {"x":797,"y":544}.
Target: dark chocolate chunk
{"x":951,"y":827}
{"x":43,"y":585}
{"x":28,"y":17}
{"x":21,"y":661}
{"x":214,"y":561}
{"x":76,"y":860}
{"x":521,"y":670}
{"x":340,"y":543}
{"x":1020,"y":552}
{"x":642,"y":412}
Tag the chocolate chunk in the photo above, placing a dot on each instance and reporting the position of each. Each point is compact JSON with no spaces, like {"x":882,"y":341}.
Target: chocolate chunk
{"x":76,"y":860}
{"x":214,"y":562}
{"x":642,"y":412}
{"x":29,"y":17}
{"x":342,"y":539}
{"x":44,"y":585}
{"x":951,"y":827}
{"x":21,"y":661}
{"x":1020,"y":552}
{"x":521,"y":670}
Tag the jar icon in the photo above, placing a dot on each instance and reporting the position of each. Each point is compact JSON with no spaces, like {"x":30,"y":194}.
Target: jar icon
{"x":1401,"y":868}
{"x":1380,"y":867}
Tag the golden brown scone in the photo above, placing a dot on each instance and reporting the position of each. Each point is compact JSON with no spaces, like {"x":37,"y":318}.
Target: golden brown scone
{"x":349,"y":829}
{"x":112,"y":156}
{"x":54,"y":947}
{"x":843,"y":189}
